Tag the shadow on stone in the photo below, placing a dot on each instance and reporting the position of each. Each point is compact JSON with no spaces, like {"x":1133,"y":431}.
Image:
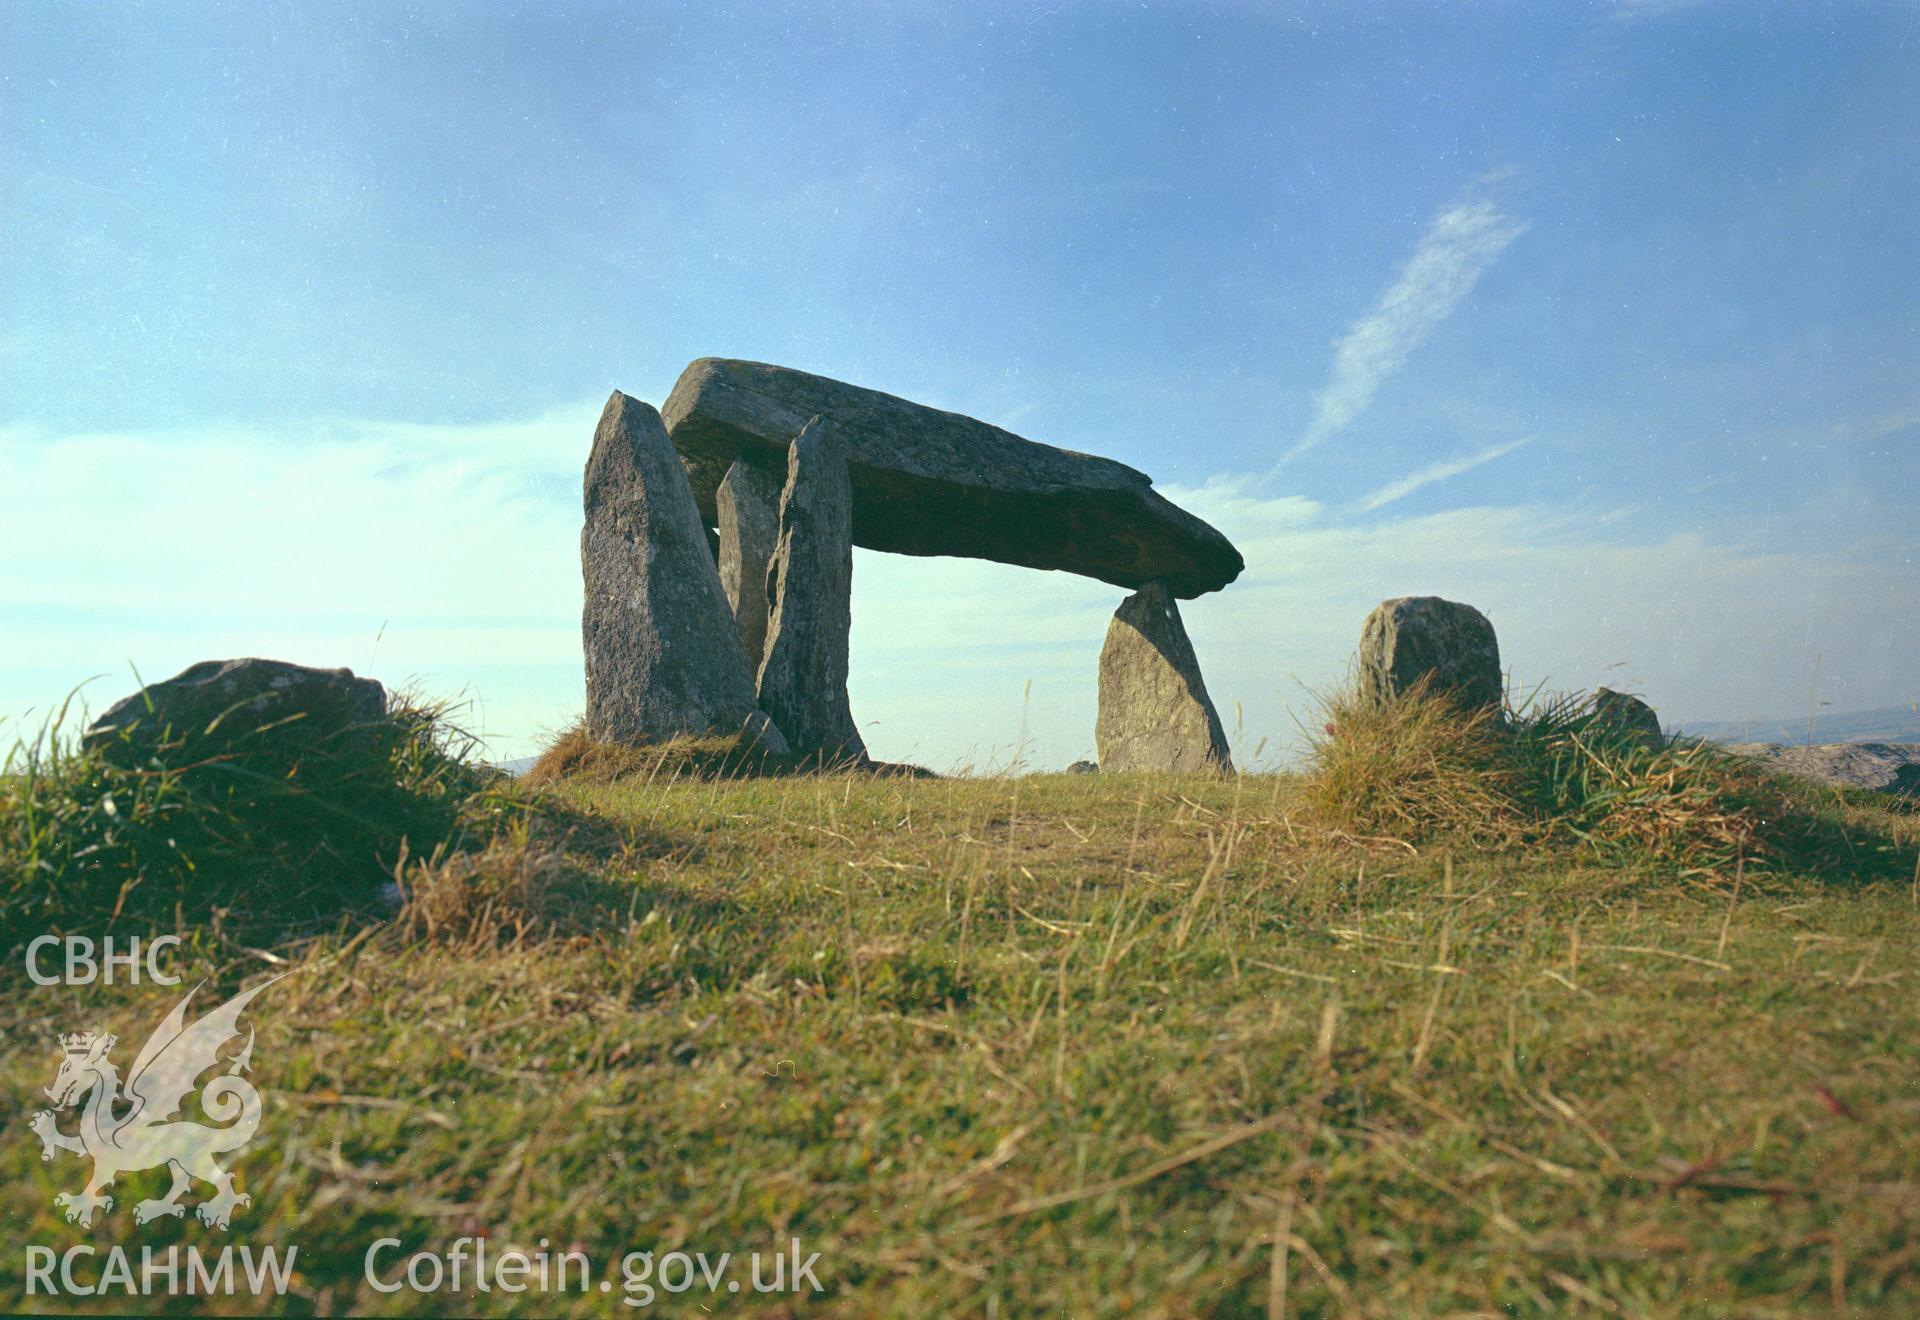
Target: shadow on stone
{"x":803,"y":679}
{"x":662,"y":654}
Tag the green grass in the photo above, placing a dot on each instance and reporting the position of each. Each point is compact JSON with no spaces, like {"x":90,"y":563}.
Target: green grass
{"x":264,"y":835}
{"x":1091,"y":1045}
{"x":1556,"y":773}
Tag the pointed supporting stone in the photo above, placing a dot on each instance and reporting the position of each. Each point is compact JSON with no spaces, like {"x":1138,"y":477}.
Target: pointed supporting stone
{"x":1155,"y":714}
{"x":803,"y":679}
{"x":749,"y":506}
{"x":662,"y":654}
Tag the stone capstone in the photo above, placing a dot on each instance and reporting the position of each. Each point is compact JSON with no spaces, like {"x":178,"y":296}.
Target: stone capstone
{"x":1449,"y":644}
{"x":749,"y":508}
{"x":243,"y":706}
{"x":803,"y":679}
{"x":662,"y":654}
{"x":927,"y":482}
{"x":1154,"y":712}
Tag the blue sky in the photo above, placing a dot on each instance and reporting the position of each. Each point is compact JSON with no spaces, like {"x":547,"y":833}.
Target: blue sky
{"x":1602,"y":317}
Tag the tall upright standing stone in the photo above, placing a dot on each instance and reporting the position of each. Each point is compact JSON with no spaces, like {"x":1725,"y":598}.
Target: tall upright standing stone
{"x":803,"y":678}
{"x":1155,"y":714}
{"x":749,"y":506}
{"x":1450,"y":645}
{"x":662,"y":654}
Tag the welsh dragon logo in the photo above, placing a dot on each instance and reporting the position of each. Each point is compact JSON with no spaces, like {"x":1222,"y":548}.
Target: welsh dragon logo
{"x":151,"y":1132}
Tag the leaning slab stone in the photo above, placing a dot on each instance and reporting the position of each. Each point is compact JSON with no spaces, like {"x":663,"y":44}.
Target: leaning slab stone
{"x":803,"y":680}
{"x":1155,"y":714}
{"x":749,"y":507}
{"x":241,"y":706}
{"x":1417,"y":637}
{"x":1628,"y":714}
{"x":927,"y":482}
{"x":662,"y":654}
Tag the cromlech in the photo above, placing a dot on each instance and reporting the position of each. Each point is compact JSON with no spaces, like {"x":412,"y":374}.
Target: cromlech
{"x":719,"y":586}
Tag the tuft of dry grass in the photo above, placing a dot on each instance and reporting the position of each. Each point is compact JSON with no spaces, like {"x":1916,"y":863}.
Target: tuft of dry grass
{"x":576,"y":755}
{"x":1676,"y":803}
{"x":520,"y":886}
{"x":1417,"y":768}
{"x":1412,"y":768}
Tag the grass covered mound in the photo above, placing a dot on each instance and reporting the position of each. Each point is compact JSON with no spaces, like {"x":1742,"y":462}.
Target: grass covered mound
{"x":1075,"y":1044}
{"x":1064,"y":1044}
{"x":261,"y":833}
{"x":1558,"y":773}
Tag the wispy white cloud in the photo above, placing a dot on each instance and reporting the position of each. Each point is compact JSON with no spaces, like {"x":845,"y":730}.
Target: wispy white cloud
{"x":1426,"y":476}
{"x":1462,"y":241}
{"x":1880,"y":426}
{"x":1629,"y":10}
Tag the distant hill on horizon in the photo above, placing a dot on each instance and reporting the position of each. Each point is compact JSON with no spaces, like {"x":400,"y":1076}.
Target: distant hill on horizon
{"x":1893,"y":724}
